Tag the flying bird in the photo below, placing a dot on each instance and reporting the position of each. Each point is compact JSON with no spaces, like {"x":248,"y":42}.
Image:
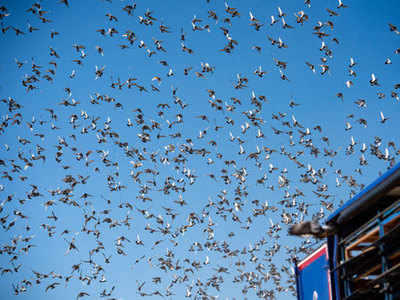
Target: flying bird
{"x":311,"y":228}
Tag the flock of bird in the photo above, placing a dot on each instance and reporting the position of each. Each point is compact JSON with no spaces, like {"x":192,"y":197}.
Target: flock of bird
{"x":190,"y":196}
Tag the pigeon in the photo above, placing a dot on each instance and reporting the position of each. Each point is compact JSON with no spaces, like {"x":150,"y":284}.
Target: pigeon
{"x":311,"y":228}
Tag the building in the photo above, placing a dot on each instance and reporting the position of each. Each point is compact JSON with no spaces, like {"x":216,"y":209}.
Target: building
{"x":361,"y":258}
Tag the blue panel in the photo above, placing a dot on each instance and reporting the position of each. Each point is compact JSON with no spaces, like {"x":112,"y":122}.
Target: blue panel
{"x":313,"y":278}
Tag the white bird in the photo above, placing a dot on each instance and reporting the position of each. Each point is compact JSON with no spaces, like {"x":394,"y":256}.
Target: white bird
{"x":242,"y":151}
{"x":252,"y":17}
{"x":374,"y":80}
{"x":363,"y":148}
{"x":383,"y":118}
{"x":352,"y":62}
{"x":387,"y":155}
{"x":138,"y":240}
{"x":280,"y":12}
{"x":352,"y":141}
{"x":231,"y":137}
{"x":295,"y":122}
{"x":363,"y":161}
{"x":260,"y":72}
{"x":323,"y":46}
{"x":273,"y":21}
{"x":188,"y":293}
{"x":260,"y":134}
{"x":315,"y":295}
{"x":284,"y":24}
{"x":341,"y":5}
{"x":72,"y":75}
{"x":281,"y":44}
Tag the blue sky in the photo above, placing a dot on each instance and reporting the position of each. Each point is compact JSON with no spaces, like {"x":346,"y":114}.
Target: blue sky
{"x":101,"y":126}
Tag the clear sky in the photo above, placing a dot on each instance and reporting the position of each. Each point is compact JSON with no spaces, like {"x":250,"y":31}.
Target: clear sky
{"x":164,"y":147}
